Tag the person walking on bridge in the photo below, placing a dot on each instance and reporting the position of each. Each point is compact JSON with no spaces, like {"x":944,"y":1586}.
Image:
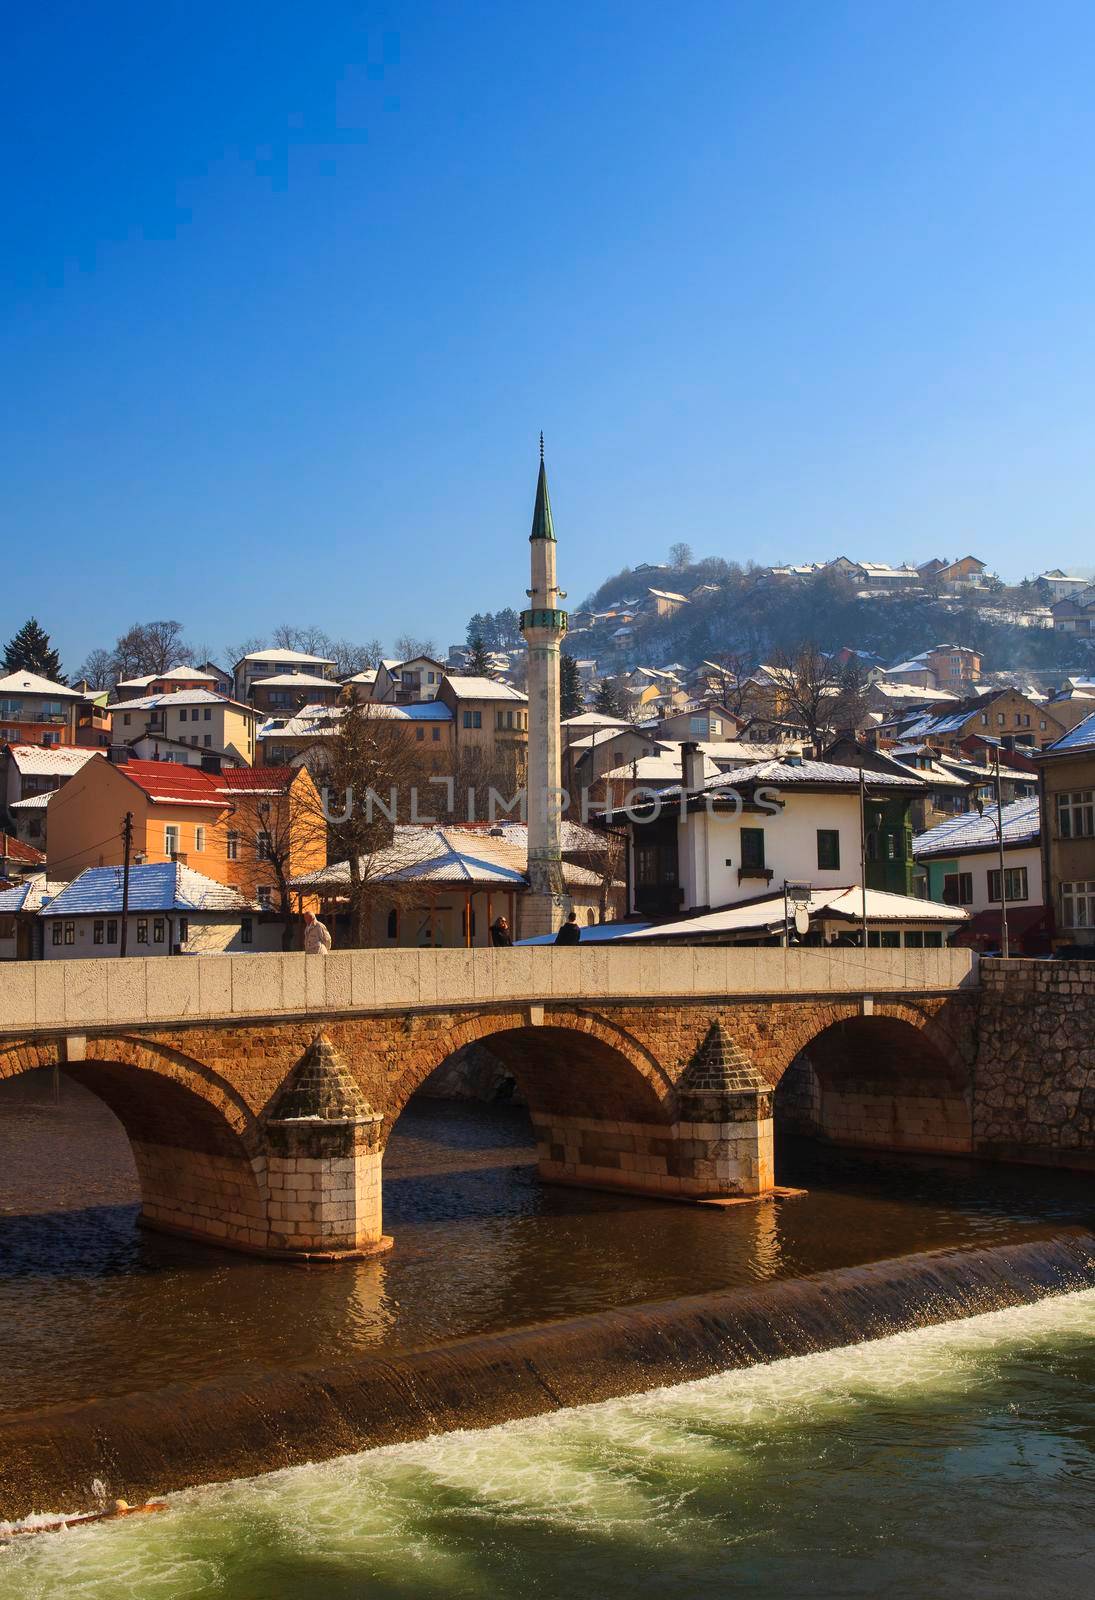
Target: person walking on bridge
{"x":569,"y":933}
{"x":317,"y":937}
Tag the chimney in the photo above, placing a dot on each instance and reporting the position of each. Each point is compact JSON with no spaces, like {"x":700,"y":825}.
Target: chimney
{"x":691,"y":766}
{"x":794,"y":756}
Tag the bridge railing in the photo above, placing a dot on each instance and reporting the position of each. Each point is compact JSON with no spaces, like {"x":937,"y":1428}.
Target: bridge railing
{"x":78,"y":994}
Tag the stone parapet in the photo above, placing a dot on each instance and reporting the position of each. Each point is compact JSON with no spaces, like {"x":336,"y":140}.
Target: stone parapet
{"x":137,"y":991}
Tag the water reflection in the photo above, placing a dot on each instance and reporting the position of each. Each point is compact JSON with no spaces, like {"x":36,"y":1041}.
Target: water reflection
{"x":91,"y":1305}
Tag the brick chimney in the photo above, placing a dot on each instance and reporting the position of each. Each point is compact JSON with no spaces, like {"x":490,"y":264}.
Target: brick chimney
{"x":691,"y":766}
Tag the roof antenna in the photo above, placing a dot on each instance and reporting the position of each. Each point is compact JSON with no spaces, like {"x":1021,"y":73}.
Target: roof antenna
{"x":541,"y":444}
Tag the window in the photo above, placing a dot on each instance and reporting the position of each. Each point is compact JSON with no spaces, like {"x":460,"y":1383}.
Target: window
{"x":914,"y":940}
{"x":199,"y":838}
{"x":184,"y":929}
{"x":752,"y":847}
{"x":436,"y":735}
{"x":1015,"y":883}
{"x":933,"y":941}
{"x":232,"y":847}
{"x":111,"y":931}
{"x":1077,"y":905}
{"x":142,"y":930}
{"x":887,"y":939}
{"x":97,"y":931}
{"x":828,"y":849}
{"x":393,"y":925}
{"x":265,"y":895}
{"x":171,"y":838}
{"x":182,"y":715}
{"x":70,"y":933}
{"x":11,"y":708}
{"x":1043,"y":724}
{"x":126,"y":719}
{"x":264,"y":846}
{"x":958,"y":889}
{"x":207,"y":714}
{"x":1000,"y":719}
{"x":984,"y":719}
{"x":9,"y":735}
{"x":420,"y":734}
{"x":247,"y":933}
{"x":207,"y":741}
{"x":473,"y":719}
{"x":157,"y":930}
{"x":58,"y":933}
{"x":1076,"y":814}
{"x":697,"y":725}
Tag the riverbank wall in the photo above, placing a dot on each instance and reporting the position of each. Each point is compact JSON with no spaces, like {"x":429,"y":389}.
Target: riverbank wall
{"x":142,"y":1445}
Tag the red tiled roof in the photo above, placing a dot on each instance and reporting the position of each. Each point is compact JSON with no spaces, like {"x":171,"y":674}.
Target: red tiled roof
{"x":256,"y":777}
{"x":166,"y":780}
{"x":15,"y":850}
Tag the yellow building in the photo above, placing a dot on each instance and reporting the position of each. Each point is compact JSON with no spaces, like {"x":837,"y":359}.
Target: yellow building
{"x":187,"y":719}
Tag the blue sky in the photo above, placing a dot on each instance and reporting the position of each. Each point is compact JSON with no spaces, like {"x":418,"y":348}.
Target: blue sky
{"x":289,"y":291}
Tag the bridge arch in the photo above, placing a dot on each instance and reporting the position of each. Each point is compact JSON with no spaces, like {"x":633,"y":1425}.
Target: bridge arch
{"x":194,"y":1142}
{"x":892,"y":1079}
{"x":570,"y":1063}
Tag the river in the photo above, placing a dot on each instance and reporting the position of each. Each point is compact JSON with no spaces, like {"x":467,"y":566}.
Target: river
{"x":954,"y":1458}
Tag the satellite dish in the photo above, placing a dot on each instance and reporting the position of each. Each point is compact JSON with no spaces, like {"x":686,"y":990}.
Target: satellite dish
{"x":802,"y":921}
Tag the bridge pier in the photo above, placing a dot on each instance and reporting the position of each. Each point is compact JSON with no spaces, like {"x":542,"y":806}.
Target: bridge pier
{"x":323,"y":1163}
{"x":719,"y":1147}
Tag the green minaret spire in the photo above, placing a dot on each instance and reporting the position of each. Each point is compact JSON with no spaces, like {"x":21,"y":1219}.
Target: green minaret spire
{"x":542,"y":525}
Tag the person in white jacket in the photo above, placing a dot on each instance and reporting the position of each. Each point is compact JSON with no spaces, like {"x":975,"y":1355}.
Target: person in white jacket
{"x":317,"y":937}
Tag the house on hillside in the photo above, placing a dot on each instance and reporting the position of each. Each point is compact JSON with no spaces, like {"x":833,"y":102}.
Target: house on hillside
{"x":275,"y":662}
{"x":1004,"y":716}
{"x":966,"y":573}
{"x":958,"y":863}
{"x":163,"y":683}
{"x":165,"y":726}
{"x":401,"y":682}
{"x":29,"y":774}
{"x":1075,"y":614}
{"x":35,"y":710}
{"x":1067,"y":788}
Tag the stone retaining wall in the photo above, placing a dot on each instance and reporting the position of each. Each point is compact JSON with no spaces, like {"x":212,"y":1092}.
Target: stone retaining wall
{"x":1034,"y":1078}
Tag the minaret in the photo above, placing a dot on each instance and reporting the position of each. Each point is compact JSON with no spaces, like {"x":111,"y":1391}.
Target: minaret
{"x":543,"y":626}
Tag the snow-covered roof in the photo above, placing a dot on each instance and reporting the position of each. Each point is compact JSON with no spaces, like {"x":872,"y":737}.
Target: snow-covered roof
{"x":49,"y":761}
{"x":843,"y":904}
{"x":32,"y":683}
{"x":153,"y":886}
{"x":30,"y":895}
{"x":484,"y":689}
{"x":177,"y":697}
{"x":293,"y":680}
{"x":182,"y":674}
{"x":276,"y":653}
{"x":1081,"y":737}
{"x":465,"y":855}
{"x":1022,"y":825}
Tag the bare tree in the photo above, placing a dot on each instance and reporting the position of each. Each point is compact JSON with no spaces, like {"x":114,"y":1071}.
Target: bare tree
{"x":350,"y":658}
{"x":274,"y":823}
{"x":728,"y":679}
{"x":407,"y":647}
{"x":681,"y":556}
{"x":311,"y":639}
{"x":150,"y":647}
{"x":246,"y":647}
{"x":368,"y":772}
{"x":97,"y":669}
{"x":809,"y":683}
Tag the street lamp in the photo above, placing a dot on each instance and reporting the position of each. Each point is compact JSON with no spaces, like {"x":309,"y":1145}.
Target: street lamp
{"x":980,"y":804}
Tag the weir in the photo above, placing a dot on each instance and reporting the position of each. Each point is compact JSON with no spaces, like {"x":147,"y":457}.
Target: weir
{"x":182,"y":1435}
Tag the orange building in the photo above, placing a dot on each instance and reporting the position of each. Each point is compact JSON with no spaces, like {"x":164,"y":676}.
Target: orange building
{"x":35,"y":710}
{"x":235,"y":826}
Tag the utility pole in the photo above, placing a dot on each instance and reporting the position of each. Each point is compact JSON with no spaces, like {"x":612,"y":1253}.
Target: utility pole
{"x":127,"y":842}
{"x":863,"y":846}
{"x":1003,"y":882}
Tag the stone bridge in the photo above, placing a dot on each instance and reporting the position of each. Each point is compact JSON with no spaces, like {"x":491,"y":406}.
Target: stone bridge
{"x":258,"y":1092}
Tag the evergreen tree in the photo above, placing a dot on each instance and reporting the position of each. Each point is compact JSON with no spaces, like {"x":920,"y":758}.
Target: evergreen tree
{"x":477,"y":627}
{"x":572,"y":700}
{"x":478,"y":664}
{"x":31,"y":651}
{"x":608,"y":699}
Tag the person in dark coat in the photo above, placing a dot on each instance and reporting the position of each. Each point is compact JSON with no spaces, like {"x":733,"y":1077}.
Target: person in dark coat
{"x":499,"y":932}
{"x":569,"y":933}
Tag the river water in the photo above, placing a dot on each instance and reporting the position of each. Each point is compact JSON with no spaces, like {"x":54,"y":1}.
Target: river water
{"x":952,"y":1461}
{"x":90,"y":1305}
